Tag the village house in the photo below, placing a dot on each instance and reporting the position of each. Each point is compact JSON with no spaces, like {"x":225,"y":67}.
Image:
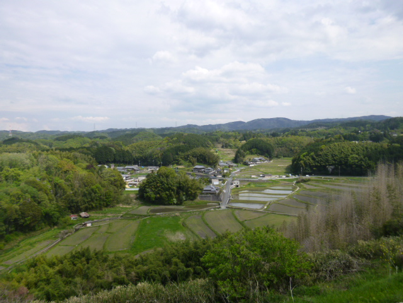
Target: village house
{"x":132,"y":168}
{"x":215,"y":182}
{"x":258,"y":160}
{"x":222,"y":164}
{"x":121,"y":169}
{"x":209,"y":171}
{"x":235,"y":183}
{"x":199,"y":169}
{"x":231,"y":164}
{"x":84,"y":215}
{"x":210,"y":189}
{"x":153,"y":169}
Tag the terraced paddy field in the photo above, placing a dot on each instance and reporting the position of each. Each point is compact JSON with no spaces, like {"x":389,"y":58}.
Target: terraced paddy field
{"x":154,"y":232}
{"x":285,"y":209}
{"x":122,"y":238}
{"x":159,"y":225}
{"x":244,"y":215}
{"x":28,"y":248}
{"x":293,"y":203}
{"x":197,"y":225}
{"x":344,"y":187}
{"x":247,"y":205}
{"x":268,"y":220}
{"x":257,"y":195}
{"x":221,"y":221}
{"x":142,"y":210}
{"x":114,"y":235}
{"x":312,"y":199}
{"x":310,"y":186}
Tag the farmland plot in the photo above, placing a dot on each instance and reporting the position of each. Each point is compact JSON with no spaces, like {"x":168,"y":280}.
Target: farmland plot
{"x":26,"y":254}
{"x":293,"y":203}
{"x":114,"y":226}
{"x":314,"y":193}
{"x":60,"y":250}
{"x":142,"y":210}
{"x":284,"y":209}
{"x":123,"y":237}
{"x":152,"y":232}
{"x":268,"y":220}
{"x":222,"y":221}
{"x":96,"y":241}
{"x":79,"y":237}
{"x":344,"y":188}
{"x":244,"y":215}
{"x":197,"y":225}
{"x":311,"y":199}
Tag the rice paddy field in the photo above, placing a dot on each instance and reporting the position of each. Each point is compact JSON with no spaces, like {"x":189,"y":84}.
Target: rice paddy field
{"x":148,"y":227}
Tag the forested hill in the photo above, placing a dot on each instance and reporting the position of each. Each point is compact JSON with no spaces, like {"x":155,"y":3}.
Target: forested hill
{"x":257,"y":124}
{"x":273,"y":123}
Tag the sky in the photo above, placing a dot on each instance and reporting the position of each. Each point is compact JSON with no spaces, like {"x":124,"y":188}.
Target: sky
{"x":96,"y":64}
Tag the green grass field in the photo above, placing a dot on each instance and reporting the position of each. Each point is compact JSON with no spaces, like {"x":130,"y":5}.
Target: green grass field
{"x":221,"y":221}
{"x":154,"y":232}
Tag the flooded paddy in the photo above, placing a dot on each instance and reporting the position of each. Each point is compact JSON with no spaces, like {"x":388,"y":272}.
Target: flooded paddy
{"x":257,"y":198}
{"x":247,"y":205}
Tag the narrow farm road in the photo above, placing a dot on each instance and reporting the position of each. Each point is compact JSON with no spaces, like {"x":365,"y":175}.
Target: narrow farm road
{"x":227,"y":193}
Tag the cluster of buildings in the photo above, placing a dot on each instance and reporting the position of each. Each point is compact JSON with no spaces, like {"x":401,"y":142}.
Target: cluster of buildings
{"x":223,"y":167}
{"x":256,"y":160}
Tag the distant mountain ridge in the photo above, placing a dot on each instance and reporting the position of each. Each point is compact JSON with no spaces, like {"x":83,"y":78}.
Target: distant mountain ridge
{"x":257,"y":124}
{"x":272,"y":123}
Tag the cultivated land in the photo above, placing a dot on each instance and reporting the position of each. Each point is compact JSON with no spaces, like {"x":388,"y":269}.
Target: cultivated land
{"x":278,"y":167}
{"x":225,"y":154}
{"x":139,"y":228}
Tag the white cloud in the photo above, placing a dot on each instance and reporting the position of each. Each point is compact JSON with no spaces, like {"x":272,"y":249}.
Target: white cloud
{"x":350,"y":90}
{"x":266,"y":103}
{"x":149,"y":89}
{"x":144,"y":61}
{"x":4,"y":119}
{"x":163,"y":56}
{"x":90,"y":119}
{"x":238,"y":83}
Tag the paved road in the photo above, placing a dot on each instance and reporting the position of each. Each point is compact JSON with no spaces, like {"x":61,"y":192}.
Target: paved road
{"x":227,"y":193}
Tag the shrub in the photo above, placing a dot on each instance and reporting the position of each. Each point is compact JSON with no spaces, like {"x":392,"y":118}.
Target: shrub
{"x":331,"y":264}
{"x":251,"y":261}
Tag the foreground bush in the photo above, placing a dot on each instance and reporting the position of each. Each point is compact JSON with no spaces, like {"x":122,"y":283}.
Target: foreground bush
{"x":251,"y":261}
{"x":200,"y":290}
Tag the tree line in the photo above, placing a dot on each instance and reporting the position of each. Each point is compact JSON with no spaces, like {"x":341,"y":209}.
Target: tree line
{"x":39,"y":189}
